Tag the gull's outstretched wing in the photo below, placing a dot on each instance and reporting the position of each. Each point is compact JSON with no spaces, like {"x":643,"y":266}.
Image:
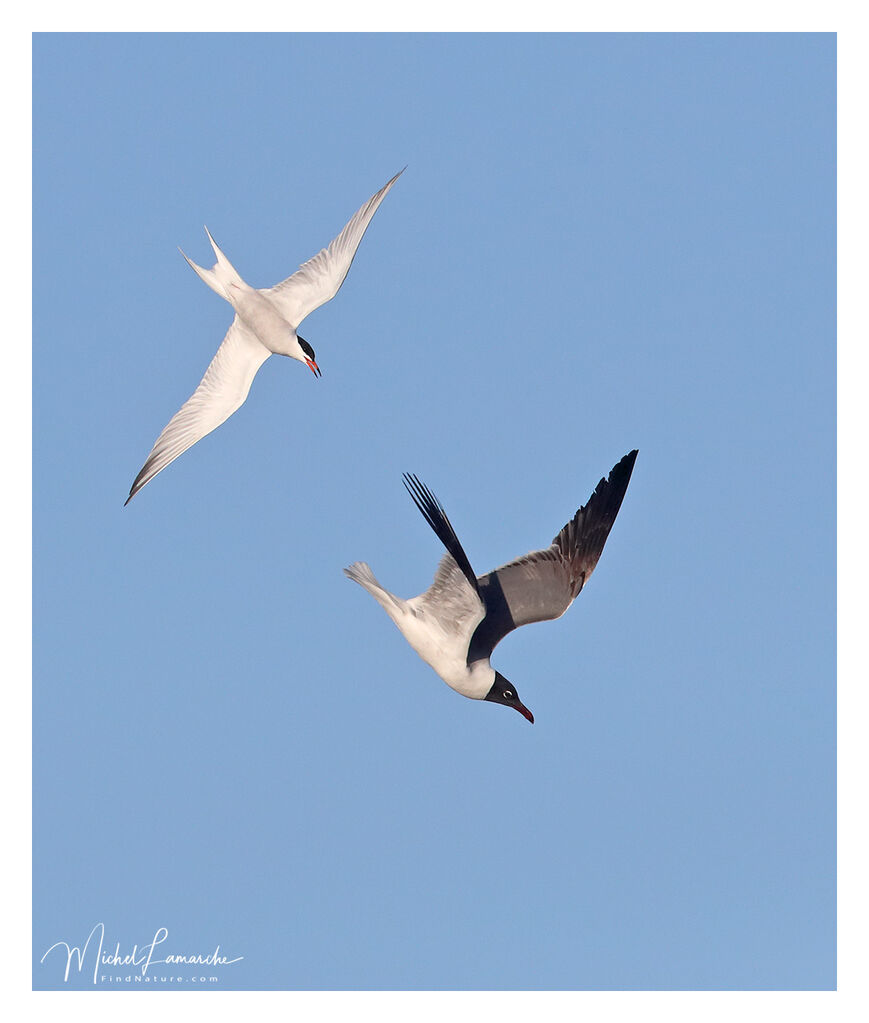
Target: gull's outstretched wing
{"x":453,"y":598}
{"x":434,"y":514}
{"x":318,"y":280}
{"x":543,"y":585}
{"x":221,"y":391}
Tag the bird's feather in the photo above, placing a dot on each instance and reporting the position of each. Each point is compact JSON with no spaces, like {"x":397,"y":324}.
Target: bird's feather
{"x":451,"y":601}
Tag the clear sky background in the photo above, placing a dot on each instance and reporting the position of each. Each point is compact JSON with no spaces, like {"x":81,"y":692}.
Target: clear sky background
{"x":600,"y":243}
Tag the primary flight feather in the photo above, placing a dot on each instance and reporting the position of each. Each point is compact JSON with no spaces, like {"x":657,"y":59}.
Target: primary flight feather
{"x":266,"y":323}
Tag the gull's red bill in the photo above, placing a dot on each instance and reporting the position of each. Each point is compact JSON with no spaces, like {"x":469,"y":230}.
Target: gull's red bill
{"x":525,"y":712}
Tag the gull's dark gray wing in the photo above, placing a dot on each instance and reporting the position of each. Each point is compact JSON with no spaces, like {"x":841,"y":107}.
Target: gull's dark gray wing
{"x":543,"y":585}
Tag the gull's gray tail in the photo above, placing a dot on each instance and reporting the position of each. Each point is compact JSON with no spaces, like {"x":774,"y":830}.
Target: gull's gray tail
{"x":360,"y":572}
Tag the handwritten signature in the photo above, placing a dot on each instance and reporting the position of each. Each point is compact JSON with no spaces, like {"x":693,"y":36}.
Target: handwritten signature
{"x":142,"y":958}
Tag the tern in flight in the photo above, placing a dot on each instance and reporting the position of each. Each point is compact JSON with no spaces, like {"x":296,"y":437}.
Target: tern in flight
{"x":266,"y":323}
{"x":456,"y":624}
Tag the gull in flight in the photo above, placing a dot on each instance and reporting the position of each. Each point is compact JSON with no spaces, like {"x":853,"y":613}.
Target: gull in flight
{"x":456,"y":624}
{"x":266,"y":323}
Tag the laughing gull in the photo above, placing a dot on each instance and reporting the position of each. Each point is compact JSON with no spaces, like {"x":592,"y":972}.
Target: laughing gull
{"x":456,"y":624}
{"x":266,"y":321}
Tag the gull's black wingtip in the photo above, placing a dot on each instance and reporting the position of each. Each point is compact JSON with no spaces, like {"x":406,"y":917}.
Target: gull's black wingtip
{"x":621,"y":471}
{"x":433,"y":512}
{"x":616,"y":483}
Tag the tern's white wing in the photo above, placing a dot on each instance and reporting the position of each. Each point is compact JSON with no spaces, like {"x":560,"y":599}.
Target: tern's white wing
{"x":318,"y":280}
{"x":221,"y":391}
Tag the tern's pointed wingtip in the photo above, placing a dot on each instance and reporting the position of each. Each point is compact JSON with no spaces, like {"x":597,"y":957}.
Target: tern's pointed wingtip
{"x":134,"y":489}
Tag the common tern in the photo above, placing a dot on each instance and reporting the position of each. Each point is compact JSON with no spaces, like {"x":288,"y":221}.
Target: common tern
{"x":266,"y":323}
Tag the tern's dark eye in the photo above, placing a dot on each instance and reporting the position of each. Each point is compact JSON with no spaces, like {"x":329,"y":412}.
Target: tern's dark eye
{"x":508,"y":694}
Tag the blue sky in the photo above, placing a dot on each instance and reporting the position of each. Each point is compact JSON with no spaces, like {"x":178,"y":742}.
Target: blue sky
{"x":601,"y":242}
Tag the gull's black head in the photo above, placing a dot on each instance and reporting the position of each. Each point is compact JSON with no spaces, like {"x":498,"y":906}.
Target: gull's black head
{"x":503,"y":691}
{"x":310,"y":358}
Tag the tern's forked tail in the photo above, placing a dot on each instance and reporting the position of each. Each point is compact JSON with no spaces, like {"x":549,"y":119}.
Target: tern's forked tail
{"x":222,"y":274}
